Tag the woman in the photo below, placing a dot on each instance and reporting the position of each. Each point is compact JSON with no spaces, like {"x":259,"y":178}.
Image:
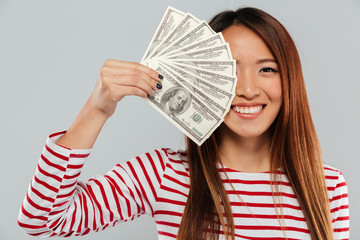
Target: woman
{"x":259,"y":176}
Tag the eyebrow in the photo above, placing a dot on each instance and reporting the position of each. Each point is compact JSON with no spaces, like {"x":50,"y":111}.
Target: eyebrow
{"x":266,"y":60}
{"x":262,"y":60}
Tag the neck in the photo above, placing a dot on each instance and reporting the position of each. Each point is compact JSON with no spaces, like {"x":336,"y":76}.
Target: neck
{"x":246,"y":154}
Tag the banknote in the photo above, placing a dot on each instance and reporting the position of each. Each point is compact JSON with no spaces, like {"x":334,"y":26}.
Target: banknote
{"x":223,"y":82}
{"x":170,"y":20}
{"x":221,"y":52}
{"x":214,"y":40}
{"x":220,"y":99}
{"x":200,"y":32}
{"x":199,"y":74}
{"x":186,"y":24}
{"x":184,"y":110}
{"x":198,"y":91}
{"x":227,"y":67}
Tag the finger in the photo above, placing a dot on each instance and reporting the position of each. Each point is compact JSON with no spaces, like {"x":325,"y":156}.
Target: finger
{"x":120,"y":91}
{"x":126,"y":73}
{"x":134,"y":65}
{"x":129,"y":81}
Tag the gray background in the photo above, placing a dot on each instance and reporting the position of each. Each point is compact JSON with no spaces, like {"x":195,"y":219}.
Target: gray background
{"x":51,"y":52}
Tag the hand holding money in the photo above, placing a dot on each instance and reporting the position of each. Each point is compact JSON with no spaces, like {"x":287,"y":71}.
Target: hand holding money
{"x":199,"y":74}
{"x":118,"y":79}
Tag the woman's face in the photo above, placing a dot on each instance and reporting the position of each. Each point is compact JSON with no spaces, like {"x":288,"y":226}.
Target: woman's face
{"x":258,"y":93}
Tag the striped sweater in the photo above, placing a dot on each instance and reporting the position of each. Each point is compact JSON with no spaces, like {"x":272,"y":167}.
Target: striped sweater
{"x":157,"y":183}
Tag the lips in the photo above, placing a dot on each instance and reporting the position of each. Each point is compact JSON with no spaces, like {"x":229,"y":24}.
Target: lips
{"x":248,"y":111}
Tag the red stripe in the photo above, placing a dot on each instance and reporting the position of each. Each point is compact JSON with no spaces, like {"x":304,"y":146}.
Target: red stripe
{"x":338,"y":208}
{"x":341,"y":184}
{"x":38,"y":234}
{"x":264,"y":216}
{"x":42,"y":196}
{"x":68,"y":186}
{"x":170,"y":224}
{"x":86,"y":210}
{"x":148,"y":181}
{"x":55,"y":223}
{"x":278,"y":228}
{"x":103,"y":194}
{"x":88,"y":195}
{"x":72,"y":223}
{"x":54,"y":189}
{"x":171,"y":153}
{"x":141,"y":188}
{"x":185,"y":185}
{"x":61,"y":168}
{"x":58,"y":204}
{"x":265,"y":205}
{"x":29,"y":215}
{"x":71,"y":177}
{"x":112,"y":183}
{"x":48,"y":174}
{"x":69,"y":234}
{"x":170,"y":201}
{"x":250,"y":193}
{"x":86,"y":231}
{"x":24,"y":225}
{"x":345,"y":218}
{"x":93,"y":197}
{"x":166,"y":234}
{"x":338,"y":197}
{"x":254,"y":182}
{"x":56,"y":134}
{"x":185,"y":174}
{"x":121,"y":193}
{"x":173,"y":190}
{"x":330,"y":169}
{"x":56,"y":154}
{"x":165,"y":212}
{"x":53,"y":213}
{"x":75,"y":166}
{"x":259,"y":238}
{"x":332,"y":177}
{"x":67,"y":195}
{"x":161,"y":160}
{"x":73,"y":155}
{"x":154,"y":168}
{"x":176,"y":161}
{"x":341,"y":229}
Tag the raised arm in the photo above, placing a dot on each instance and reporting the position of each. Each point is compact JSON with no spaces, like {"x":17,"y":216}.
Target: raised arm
{"x":56,"y":203}
{"x":116,"y":80}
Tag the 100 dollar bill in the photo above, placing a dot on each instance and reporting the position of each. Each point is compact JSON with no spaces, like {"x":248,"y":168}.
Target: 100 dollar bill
{"x":184,"y":110}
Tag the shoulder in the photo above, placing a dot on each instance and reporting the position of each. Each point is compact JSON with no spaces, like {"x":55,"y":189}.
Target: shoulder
{"x":335,"y":180}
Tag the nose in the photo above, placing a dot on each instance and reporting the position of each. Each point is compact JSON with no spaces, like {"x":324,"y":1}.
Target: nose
{"x":247,"y":85}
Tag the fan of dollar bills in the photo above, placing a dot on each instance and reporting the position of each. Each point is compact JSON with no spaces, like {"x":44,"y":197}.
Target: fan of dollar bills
{"x":199,"y":74}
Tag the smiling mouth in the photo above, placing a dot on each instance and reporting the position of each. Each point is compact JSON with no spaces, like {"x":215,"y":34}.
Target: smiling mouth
{"x":248,"y":110}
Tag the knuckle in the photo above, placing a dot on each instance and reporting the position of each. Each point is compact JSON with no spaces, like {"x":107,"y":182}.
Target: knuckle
{"x":109,"y":61}
{"x":135,"y":71}
{"x":104,"y":70}
{"x":137,"y":65}
{"x":137,"y":91}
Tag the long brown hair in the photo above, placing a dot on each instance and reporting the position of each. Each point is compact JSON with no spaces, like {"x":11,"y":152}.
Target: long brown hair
{"x":294,"y":147}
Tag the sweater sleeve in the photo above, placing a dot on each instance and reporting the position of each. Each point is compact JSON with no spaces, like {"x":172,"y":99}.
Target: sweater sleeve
{"x":58,"y":204}
{"x":339,"y":205}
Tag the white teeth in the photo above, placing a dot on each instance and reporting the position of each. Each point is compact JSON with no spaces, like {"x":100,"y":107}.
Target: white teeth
{"x":251,"y":110}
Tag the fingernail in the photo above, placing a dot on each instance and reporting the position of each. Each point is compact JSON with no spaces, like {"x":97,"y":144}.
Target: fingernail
{"x":160,"y":76}
{"x":159,"y":85}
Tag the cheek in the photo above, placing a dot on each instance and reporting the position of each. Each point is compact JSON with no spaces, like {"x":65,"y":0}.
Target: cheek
{"x":274,"y":92}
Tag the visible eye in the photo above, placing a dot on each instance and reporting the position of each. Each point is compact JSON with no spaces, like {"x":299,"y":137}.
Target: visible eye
{"x":268,"y":69}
